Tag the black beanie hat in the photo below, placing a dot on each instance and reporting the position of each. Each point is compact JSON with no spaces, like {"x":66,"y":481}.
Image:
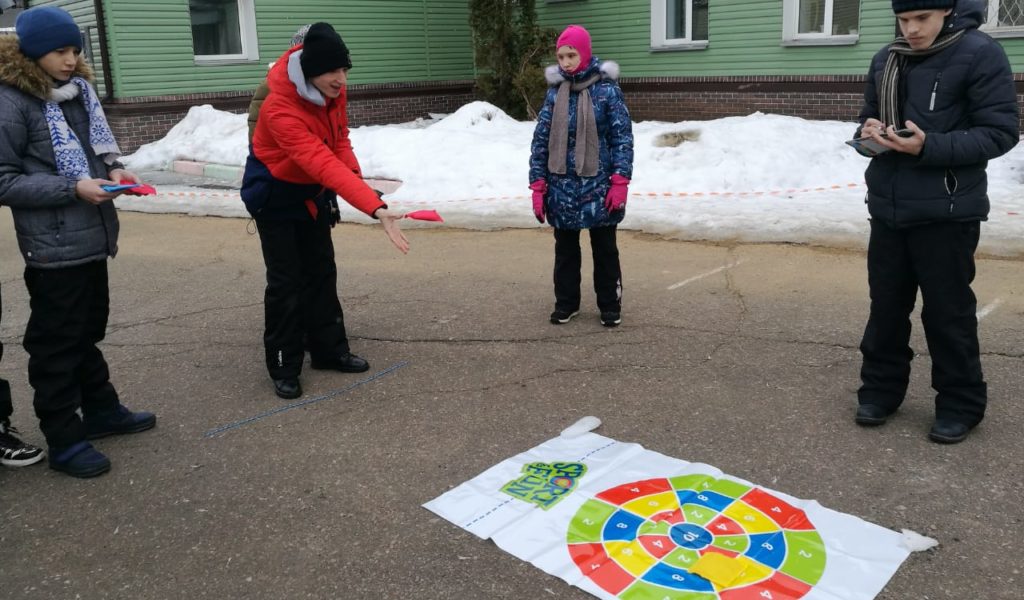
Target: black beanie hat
{"x":323,"y":51}
{"x":902,"y":6}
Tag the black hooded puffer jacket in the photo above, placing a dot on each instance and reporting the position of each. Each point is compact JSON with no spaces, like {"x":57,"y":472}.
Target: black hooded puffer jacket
{"x":965,"y":101}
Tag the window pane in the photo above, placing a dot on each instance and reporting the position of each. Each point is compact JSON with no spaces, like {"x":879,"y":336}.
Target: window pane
{"x":845,"y":17}
{"x":812,"y":16}
{"x":215,"y":28}
{"x":1011,"y":13}
{"x":700,"y":20}
{"x":675,"y":19}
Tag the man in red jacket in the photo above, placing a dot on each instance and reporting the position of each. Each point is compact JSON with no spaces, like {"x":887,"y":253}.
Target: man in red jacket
{"x":300,"y":159}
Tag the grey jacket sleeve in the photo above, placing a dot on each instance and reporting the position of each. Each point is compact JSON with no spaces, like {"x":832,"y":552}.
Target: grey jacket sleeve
{"x":117,"y":164}
{"x":21,"y":190}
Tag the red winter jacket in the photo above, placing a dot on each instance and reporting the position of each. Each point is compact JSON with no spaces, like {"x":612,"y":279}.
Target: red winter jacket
{"x":303,"y":143}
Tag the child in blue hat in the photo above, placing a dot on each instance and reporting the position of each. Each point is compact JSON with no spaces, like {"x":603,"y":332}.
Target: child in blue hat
{"x":56,"y":153}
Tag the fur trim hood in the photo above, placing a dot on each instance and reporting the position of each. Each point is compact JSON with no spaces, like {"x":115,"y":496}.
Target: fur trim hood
{"x":24,"y":74}
{"x":609,"y":70}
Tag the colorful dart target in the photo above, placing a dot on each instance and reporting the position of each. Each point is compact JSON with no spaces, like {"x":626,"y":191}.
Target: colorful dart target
{"x":695,"y":537}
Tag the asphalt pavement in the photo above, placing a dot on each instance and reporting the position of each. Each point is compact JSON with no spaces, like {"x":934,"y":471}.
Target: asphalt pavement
{"x":743,"y":357}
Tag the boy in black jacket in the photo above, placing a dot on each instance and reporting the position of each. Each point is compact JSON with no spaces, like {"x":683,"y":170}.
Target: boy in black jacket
{"x":952,"y":87}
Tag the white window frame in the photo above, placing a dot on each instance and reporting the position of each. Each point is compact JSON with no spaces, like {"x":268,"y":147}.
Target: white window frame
{"x":247,"y":33}
{"x":659,"y":18}
{"x":995,"y":30}
{"x":791,"y":26}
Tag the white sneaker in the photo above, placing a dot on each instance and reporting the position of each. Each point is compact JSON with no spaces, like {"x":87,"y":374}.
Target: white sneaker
{"x":14,"y":452}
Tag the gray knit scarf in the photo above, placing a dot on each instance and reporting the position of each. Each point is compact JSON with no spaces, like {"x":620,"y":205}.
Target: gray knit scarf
{"x":899,"y":50}
{"x":586,"y":129}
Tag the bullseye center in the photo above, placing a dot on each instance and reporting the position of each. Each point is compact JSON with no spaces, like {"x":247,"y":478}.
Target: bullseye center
{"x":690,"y":536}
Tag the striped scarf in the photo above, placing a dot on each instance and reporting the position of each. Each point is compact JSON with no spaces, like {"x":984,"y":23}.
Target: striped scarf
{"x":899,"y":50}
{"x":72,"y":161}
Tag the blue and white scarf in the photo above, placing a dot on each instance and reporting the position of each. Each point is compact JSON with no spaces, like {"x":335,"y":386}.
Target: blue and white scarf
{"x":72,"y":161}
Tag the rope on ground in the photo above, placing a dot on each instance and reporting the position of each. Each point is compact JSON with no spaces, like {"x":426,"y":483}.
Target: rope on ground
{"x":314,"y":400}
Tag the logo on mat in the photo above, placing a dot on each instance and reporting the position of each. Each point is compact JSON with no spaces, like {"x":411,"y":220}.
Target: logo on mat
{"x":545,"y":484}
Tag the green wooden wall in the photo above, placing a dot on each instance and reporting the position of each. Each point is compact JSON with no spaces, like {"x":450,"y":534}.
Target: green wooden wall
{"x":429,"y":40}
{"x":744,"y":39}
{"x":390,"y":41}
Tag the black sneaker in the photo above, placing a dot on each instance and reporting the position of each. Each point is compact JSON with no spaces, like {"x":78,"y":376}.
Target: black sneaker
{"x":14,"y":452}
{"x":561,"y":317}
{"x":611,"y":318}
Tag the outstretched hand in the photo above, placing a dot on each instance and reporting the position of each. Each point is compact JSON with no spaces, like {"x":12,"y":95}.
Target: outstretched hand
{"x":389,"y":219}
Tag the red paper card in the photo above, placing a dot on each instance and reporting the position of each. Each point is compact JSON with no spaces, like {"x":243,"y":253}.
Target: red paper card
{"x":140,"y":189}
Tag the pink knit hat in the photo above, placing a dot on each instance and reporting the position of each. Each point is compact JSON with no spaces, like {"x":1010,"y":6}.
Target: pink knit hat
{"x":577,"y":37}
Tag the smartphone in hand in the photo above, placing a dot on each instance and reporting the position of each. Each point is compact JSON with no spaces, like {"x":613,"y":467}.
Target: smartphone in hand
{"x":869,"y":147}
{"x":903,"y":133}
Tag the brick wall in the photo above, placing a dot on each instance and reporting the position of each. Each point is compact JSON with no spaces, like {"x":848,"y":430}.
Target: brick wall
{"x":137,"y":121}
{"x":374,"y":105}
{"x":133,"y":130}
{"x":703,"y":98}
{"x":702,"y":106}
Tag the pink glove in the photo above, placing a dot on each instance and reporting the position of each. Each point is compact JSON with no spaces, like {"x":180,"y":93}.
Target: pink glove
{"x":540,"y":189}
{"x":616,"y":198}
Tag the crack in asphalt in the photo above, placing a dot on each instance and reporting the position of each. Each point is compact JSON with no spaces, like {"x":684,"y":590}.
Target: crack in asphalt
{"x":733,"y":289}
{"x":117,"y":327}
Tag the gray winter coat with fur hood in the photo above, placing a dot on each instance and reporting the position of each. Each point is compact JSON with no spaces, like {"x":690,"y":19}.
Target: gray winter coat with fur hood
{"x":55,"y":228}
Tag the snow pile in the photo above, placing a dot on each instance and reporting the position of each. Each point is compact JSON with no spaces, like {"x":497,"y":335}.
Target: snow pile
{"x":757,"y":178}
{"x":204,"y":135}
